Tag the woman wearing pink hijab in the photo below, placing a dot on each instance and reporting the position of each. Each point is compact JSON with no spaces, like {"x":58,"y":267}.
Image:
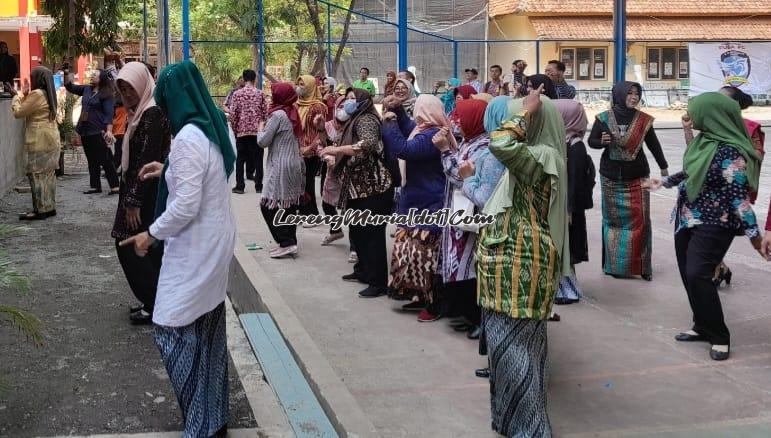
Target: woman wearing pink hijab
{"x":147,"y":139}
{"x":414,"y":261}
{"x":581,"y":180}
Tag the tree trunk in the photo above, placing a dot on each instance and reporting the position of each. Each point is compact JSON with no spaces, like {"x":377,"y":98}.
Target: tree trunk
{"x":343,"y":38}
{"x":318,"y":28}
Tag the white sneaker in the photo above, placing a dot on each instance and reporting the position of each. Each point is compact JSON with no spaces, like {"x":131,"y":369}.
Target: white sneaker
{"x":310,"y":225}
{"x":353,"y":257}
{"x":329,"y":238}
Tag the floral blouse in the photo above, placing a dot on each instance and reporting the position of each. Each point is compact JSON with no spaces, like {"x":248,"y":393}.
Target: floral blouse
{"x":724,"y":199}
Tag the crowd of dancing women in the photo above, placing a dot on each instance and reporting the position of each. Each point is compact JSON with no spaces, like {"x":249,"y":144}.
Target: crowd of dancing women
{"x":514,"y":150}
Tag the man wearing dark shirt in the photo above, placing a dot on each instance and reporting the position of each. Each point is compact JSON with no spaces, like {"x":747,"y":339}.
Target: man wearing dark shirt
{"x":8,"y":67}
{"x":555,"y":70}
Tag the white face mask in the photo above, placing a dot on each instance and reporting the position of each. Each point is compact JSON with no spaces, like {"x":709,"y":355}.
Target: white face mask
{"x":341,"y":115}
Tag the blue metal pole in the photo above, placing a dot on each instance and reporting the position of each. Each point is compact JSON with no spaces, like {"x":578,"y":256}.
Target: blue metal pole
{"x":260,"y":44}
{"x":537,"y":56}
{"x":329,"y":40}
{"x":455,"y":59}
{"x":619,"y":40}
{"x":166,"y":31}
{"x":144,"y":31}
{"x":402,"y":11}
{"x":186,"y":29}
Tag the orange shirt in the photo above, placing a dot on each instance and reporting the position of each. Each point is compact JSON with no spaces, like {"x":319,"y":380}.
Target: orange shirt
{"x":119,"y":121}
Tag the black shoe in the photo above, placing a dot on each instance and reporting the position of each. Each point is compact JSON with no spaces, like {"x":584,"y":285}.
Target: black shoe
{"x":222,"y":433}
{"x":258,"y":189}
{"x":474,"y":333}
{"x":33,"y":216}
{"x":141,"y":318}
{"x":414,"y":306}
{"x":238,"y":191}
{"x":718,"y":355}
{"x":647,"y":277}
{"x":555,"y":317}
{"x":483,"y":373}
{"x":458,"y":322}
{"x":564,"y":301}
{"x":688,"y":337}
{"x":353,"y":277}
{"x":463,"y":328}
{"x":92,"y":191}
{"x":372,"y":292}
{"x":135,"y":309}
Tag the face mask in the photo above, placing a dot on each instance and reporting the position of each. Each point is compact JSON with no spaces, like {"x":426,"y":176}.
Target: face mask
{"x":300,"y":91}
{"x":350,"y":107}
{"x":341,"y":115}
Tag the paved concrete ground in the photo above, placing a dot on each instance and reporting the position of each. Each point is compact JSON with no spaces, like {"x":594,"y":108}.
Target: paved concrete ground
{"x":95,"y":373}
{"x":614,"y":368}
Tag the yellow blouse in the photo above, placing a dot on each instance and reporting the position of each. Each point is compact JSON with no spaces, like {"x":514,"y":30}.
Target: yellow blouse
{"x":41,"y":135}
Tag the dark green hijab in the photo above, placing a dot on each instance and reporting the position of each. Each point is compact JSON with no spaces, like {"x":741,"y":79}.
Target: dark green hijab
{"x":183,"y":96}
{"x":719,"y":120}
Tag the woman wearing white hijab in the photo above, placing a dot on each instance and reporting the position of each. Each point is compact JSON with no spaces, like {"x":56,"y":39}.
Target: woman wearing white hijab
{"x":147,"y":139}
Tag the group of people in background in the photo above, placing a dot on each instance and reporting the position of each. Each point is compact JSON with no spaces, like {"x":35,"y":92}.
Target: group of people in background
{"x":513,"y":150}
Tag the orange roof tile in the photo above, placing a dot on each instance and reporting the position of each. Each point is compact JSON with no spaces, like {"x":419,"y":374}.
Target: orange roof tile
{"x":654,"y":29}
{"x":633,"y":7}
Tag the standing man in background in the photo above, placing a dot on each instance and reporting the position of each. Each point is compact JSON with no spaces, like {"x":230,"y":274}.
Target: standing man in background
{"x":555,"y":70}
{"x":8,"y":67}
{"x":472,"y":78}
{"x":364,"y":83}
{"x":495,"y":86}
{"x":248,"y":112}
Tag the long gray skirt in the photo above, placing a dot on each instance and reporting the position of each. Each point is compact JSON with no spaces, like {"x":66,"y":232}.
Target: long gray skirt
{"x":196,"y":358}
{"x":518,"y":375}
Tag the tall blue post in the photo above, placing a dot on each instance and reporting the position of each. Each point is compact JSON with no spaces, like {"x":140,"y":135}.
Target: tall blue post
{"x":186,"y":29}
{"x":402,"y":11}
{"x":455,"y":59}
{"x":329,"y":40}
{"x":538,"y":56}
{"x":260,"y":44}
{"x":166,"y":33}
{"x":144,"y":31}
{"x":619,"y":40}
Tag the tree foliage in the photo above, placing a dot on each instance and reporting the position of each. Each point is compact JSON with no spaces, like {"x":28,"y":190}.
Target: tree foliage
{"x":80,"y":26}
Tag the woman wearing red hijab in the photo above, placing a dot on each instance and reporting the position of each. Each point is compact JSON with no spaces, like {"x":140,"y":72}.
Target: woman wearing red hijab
{"x":457,"y":248}
{"x":285,"y":173}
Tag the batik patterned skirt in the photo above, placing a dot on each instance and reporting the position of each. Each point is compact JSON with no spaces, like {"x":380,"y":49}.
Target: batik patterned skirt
{"x":196,"y":358}
{"x":626,"y":228}
{"x":415,"y":264}
{"x":518,"y":375}
{"x":43,"y":188}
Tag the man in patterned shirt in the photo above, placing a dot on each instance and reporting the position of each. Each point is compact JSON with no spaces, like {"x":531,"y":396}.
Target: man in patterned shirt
{"x":555,"y":70}
{"x":495,"y":86}
{"x":248,"y":113}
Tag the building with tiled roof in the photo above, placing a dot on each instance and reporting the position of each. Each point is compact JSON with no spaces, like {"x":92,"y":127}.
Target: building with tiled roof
{"x":580,"y":33}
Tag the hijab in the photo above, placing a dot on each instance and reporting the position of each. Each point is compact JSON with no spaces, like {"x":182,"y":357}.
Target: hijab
{"x":471,"y":114}
{"x":283,"y":97}
{"x":409,"y":103}
{"x":620,"y":91}
{"x":430,"y":111}
{"x":448,"y":98}
{"x":312,"y":97}
{"x":42,"y":79}
{"x":390,"y":83}
{"x":546,"y":144}
{"x":496,"y":113}
{"x":348,"y":137}
{"x":331,"y":83}
{"x":182,"y":95}
{"x":138,"y":77}
{"x":466,"y":91}
{"x":574,"y":116}
{"x":548,"y":86}
{"x":719,"y":120}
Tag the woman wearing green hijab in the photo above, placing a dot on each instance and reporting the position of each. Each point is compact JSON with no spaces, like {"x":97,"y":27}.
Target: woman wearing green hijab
{"x":520,"y":260}
{"x":720,"y":169}
{"x":198,"y":231}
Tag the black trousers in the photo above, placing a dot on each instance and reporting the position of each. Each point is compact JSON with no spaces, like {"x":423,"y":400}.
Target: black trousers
{"x":99,"y":157}
{"x":370,"y":240}
{"x":248,"y":154}
{"x":141,"y":272}
{"x":312,"y":165}
{"x":118,"y":154}
{"x":283,"y":235}
{"x":699,"y":250}
{"x":459,"y":298}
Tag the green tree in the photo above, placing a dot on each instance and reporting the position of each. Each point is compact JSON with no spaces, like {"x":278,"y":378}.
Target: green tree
{"x":80,"y":27}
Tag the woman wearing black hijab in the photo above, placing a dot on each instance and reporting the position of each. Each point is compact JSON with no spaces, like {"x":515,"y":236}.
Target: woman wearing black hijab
{"x":366,"y":184}
{"x":626,"y":223}
{"x":535,"y":81}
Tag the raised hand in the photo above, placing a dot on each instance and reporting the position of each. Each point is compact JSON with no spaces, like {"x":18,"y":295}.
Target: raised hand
{"x":440,"y":139}
{"x":151,"y":171}
{"x":466,"y":169}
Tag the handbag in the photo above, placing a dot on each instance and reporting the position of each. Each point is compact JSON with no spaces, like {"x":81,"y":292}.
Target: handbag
{"x":464,"y":208}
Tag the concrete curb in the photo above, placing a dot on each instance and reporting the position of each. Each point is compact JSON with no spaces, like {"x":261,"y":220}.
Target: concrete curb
{"x":253,"y":291}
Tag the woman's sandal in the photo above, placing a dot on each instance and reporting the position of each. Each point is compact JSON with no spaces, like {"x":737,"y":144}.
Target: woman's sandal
{"x":35,"y":216}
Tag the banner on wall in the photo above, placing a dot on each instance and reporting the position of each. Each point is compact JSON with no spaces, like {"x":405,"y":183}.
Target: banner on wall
{"x":743,"y":65}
